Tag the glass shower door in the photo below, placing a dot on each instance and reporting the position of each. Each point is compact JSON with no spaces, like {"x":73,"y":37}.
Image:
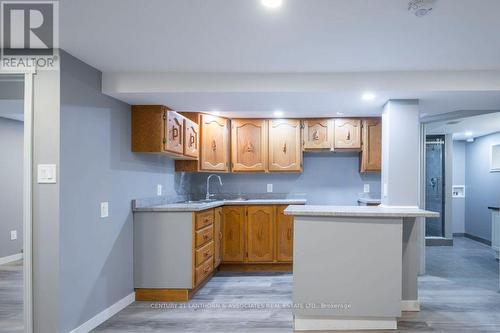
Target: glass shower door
{"x":434,"y":188}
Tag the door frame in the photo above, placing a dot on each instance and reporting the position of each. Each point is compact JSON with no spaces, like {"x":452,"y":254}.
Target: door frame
{"x":27,"y":74}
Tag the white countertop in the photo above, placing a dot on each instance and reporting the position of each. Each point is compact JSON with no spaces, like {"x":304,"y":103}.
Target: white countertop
{"x":358,"y":211}
{"x":199,"y":206}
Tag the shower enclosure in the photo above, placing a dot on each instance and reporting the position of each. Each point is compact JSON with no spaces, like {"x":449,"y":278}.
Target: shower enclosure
{"x":435,"y":185}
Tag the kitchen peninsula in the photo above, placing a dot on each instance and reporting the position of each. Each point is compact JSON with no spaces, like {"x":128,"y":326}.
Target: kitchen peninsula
{"x":349,"y":265}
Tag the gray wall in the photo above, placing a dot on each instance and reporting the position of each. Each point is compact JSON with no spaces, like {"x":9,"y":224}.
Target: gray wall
{"x":483,"y":186}
{"x":96,"y":263}
{"x":11,"y":192}
{"x":328,"y":178}
{"x":458,"y":204}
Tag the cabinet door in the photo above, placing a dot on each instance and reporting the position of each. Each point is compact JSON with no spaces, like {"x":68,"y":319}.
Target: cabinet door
{"x":191,"y":138}
{"x":318,"y":134}
{"x":249,"y":145}
{"x":174,"y":124}
{"x":214,"y":143}
{"x":371,"y":154}
{"x":285,"y":151}
{"x":217,"y":236}
{"x":233,"y":233}
{"x":260,"y":234}
{"x":347,"y":134}
{"x":284,"y":235}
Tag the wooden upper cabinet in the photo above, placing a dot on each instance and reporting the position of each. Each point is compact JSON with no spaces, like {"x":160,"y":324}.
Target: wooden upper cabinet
{"x":371,"y":153}
{"x":285,"y":151}
{"x":233,"y":233}
{"x":217,"y":236}
{"x":191,"y":138}
{"x":318,"y":134}
{"x":347,"y":134}
{"x":284,"y":235}
{"x":214,"y":154}
{"x":174,"y":133}
{"x":249,"y":145}
{"x":260,"y":234}
{"x":156,"y":129}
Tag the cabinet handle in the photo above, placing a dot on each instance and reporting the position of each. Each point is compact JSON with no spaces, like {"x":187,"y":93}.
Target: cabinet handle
{"x":205,"y":236}
{"x":289,"y":234}
{"x":214,"y":145}
{"x":220,"y":235}
{"x":315,"y":135}
{"x":284,"y":148}
{"x":191,"y":140}
{"x":348,"y":136}
{"x":207,"y":253}
{"x":249,"y":147}
{"x":175,"y":132}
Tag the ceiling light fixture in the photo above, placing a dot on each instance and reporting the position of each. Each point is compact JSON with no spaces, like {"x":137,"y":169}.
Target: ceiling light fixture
{"x":278,"y":113}
{"x":272,"y":3}
{"x":368,"y":96}
{"x":421,"y":8}
{"x":468,"y":133}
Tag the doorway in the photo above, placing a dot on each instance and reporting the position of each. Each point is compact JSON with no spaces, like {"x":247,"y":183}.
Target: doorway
{"x":435,"y":184}
{"x":11,"y":203}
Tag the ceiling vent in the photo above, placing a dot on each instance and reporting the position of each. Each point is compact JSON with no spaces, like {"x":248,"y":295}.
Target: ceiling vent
{"x":420,"y":8}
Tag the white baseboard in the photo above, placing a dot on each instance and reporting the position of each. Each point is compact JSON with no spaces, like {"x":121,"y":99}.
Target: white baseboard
{"x":410,"y":305}
{"x":14,"y":257}
{"x":327,"y":324}
{"x":104,"y":315}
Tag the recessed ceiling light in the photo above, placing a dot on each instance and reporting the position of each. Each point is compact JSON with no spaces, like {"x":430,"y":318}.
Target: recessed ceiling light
{"x":272,"y":3}
{"x":368,"y":96}
{"x":340,"y":113}
{"x":468,"y":133}
{"x":215,"y":112}
{"x":278,"y":113}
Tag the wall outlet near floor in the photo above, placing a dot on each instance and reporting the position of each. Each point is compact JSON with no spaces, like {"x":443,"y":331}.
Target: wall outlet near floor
{"x":366,"y":188}
{"x":104,"y":209}
{"x":269,"y":188}
{"x":13,"y":234}
{"x":159,"y":189}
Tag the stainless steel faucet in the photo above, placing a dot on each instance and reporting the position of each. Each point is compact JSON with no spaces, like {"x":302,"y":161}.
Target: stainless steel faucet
{"x":207,"y":197}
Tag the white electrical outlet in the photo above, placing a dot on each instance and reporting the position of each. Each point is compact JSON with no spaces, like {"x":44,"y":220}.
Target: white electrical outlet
{"x":104,"y":209}
{"x":366,"y":188}
{"x":269,"y":188}
{"x":13,"y":234}
{"x":159,"y":189}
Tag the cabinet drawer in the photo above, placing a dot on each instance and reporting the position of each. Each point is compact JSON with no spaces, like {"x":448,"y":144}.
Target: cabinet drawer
{"x":204,"y":219}
{"x":204,"y":236}
{"x":203,"y":253}
{"x":203,"y":271}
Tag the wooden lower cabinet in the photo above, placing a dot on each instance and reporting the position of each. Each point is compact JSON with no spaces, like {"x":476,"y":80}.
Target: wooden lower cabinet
{"x":233,"y":233}
{"x":217,"y":236}
{"x":257,"y":234}
{"x":284,"y":235}
{"x":260,"y":233}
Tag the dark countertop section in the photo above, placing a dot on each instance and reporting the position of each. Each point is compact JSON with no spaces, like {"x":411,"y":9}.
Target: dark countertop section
{"x":494,"y":208}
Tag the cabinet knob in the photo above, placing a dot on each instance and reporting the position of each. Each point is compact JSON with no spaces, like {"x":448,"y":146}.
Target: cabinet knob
{"x":175,"y":132}
{"x":214,"y":145}
{"x":284,"y":148}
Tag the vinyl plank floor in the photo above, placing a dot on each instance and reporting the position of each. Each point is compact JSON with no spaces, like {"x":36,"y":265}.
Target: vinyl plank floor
{"x":11,"y":297}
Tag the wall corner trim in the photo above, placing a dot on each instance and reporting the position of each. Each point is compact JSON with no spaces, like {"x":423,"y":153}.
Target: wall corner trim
{"x":8,"y":259}
{"x":105,"y":314}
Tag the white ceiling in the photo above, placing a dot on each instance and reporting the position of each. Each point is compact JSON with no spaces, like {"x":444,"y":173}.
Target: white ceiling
{"x":477,"y":126}
{"x":303,"y":37}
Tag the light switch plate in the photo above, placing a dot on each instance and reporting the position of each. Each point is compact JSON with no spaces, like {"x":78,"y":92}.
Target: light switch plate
{"x":13,"y":234}
{"x":104,"y":209}
{"x":269,"y":188}
{"x":47,"y":174}
{"x":366,"y":188}
{"x":159,"y":189}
